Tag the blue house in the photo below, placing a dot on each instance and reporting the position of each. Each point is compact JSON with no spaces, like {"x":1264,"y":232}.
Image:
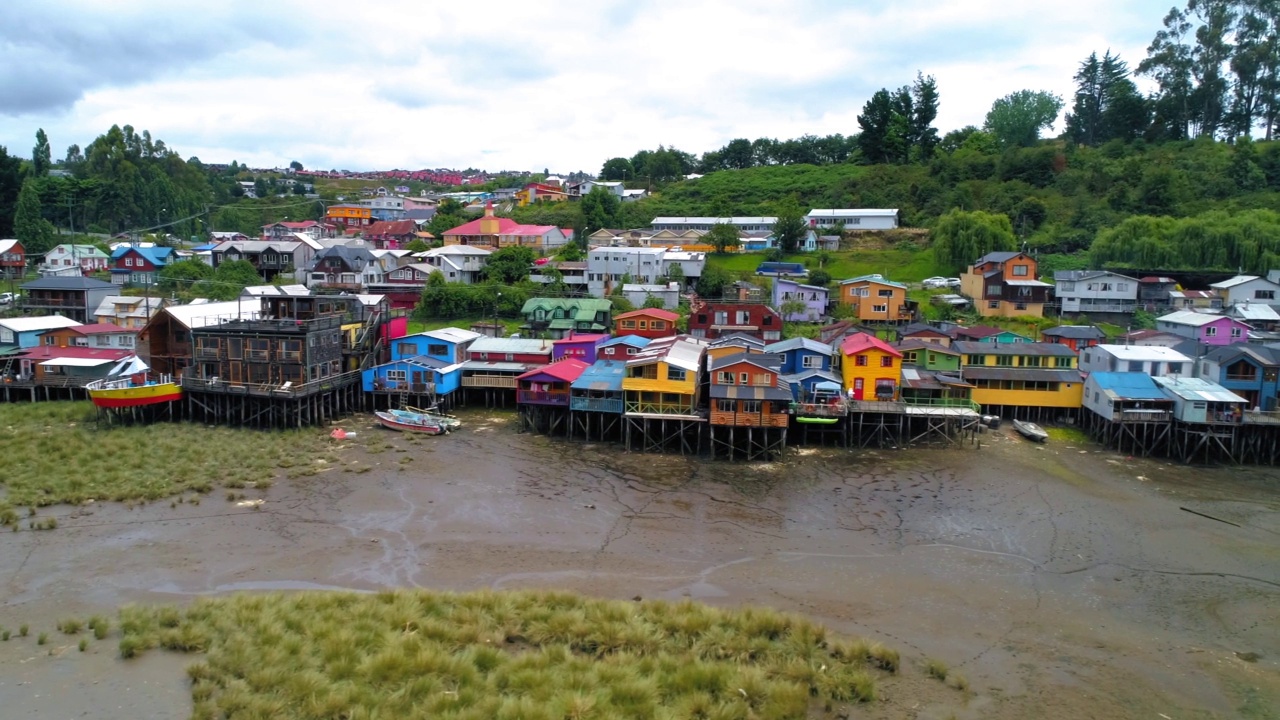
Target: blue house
{"x":599,"y":388}
{"x":19,"y":333}
{"x":805,"y":363}
{"x":429,"y":363}
{"x":1250,"y":371}
{"x":621,"y":347}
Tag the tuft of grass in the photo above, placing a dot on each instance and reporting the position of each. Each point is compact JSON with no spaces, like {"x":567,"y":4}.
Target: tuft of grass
{"x":958,"y":681}
{"x":70,"y":626}
{"x":55,"y":455}
{"x":100,"y":626}
{"x":42,"y":638}
{"x":22,"y":629}
{"x":497,"y":654}
{"x":4,"y":635}
{"x":936,"y":669}
{"x":884,"y":658}
{"x":84,"y":644}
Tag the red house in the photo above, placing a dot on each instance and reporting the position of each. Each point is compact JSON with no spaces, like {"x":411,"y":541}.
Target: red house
{"x":582,"y":346}
{"x":138,"y":265}
{"x":391,"y":234}
{"x":13,"y":258}
{"x":549,"y":385}
{"x":713,"y":319}
{"x":652,"y":323}
{"x":511,"y":350}
{"x":1076,"y":337}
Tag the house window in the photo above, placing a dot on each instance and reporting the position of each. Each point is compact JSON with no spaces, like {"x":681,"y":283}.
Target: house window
{"x":768,"y":320}
{"x":762,"y":380}
{"x":885,"y":293}
{"x":1004,"y":361}
{"x":725,"y":406}
{"x":811,"y":361}
{"x":102,"y":340}
{"x":128,"y":262}
{"x":628,"y":324}
{"x":644,"y":325}
{"x":1210,"y":331}
{"x":702,"y":319}
{"x":880,"y":308}
{"x":1235,"y":332}
{"x":886,"y":361}
{"x":1264,"y":294}
{"x":631,"y":351}
{"x":750,"y":406}
{"x":675,"y":374}
{"x":724,"y":378}
{"x":743,"y":378}
{"x":437,"y":349}
{"x":861,"y":361}
{"x":395,"y":376}
{"x":1062,"y":362}
{"x":743,"y":317}
{"x":1031,"y":361}
{"x":406,"y":349}
{"x":1175,"y":368}
{"x":1020,"y":306}
{"x":1020,"y":270}
{"x":1066,"y":287}
{"x":994,"y":289}
{"x":993,"y":304}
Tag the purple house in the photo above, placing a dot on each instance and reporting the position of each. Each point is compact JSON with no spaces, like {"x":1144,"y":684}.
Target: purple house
{"x":579,"y":346}
{"x":813,"y":297}
{"x":1204,"y":327}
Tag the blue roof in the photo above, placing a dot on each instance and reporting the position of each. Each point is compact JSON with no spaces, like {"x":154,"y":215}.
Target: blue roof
{"x":1129,"y":385}
{"x":157,"y":255}
{"x":603,"y":375}
{"x":634,"y":341}
{"x":206,"y":246}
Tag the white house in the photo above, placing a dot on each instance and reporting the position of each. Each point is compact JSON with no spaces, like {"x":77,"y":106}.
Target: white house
{"x":69,"y":258}
{"x":1152,"y":360}
{"x":691,"y":263}
{"x":860,"y":219}
{"x":1247,"y":288}
{"x":744,"y":224}
{"x":459,"y":263}
{"x":608,"y":266}
{"x":585,"y":187}
{"x":637,"y":295}
{"x":1095,"y":291}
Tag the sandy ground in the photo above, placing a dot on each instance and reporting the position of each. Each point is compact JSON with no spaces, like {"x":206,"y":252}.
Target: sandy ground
{"x":1061,"y":581}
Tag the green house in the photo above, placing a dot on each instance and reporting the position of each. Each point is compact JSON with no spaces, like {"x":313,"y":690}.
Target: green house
{"x":560,"y":317}
{"x":928,"y":355}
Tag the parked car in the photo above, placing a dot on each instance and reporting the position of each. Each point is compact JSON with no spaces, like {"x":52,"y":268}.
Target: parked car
{"x":953,"y":282}
{"x":935,"y":282}
{"x":6,"y":298}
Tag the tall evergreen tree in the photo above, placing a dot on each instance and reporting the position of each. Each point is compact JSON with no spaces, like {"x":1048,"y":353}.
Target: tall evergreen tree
{"x":1168,"y":62}
{"x":41,"y":155}
{"x":924,"y":136}
{"x":1107,"y":103}
{"x":29,"y":225}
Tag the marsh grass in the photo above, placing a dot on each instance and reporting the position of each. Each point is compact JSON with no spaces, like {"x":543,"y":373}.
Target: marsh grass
{"x":55,"y":453}
{"x":493,"y":655}
{"x":84,"y":644}
{"x":23,"y":629}
{"x":42,"y":638}
{"x":936,"y":669}
{"x":70,"y":626}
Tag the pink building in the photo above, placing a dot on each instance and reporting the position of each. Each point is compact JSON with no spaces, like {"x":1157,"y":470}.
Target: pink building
{"x":1204,"y":328}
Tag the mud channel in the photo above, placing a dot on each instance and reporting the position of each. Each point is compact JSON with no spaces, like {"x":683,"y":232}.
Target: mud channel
{"x":1062,"y":581}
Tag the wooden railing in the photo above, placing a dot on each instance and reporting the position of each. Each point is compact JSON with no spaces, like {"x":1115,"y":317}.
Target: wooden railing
{"x":191,"y":381}
{"x":489,"y":381}
{"x":837,"y":408}
{"x":648,"y":407}
{"x":589,"y":404}
{"x":746,"y":419}
{"x":539,"y":397}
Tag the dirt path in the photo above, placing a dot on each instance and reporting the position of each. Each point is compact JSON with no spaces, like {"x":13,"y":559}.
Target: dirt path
{"x":1061,"y":581}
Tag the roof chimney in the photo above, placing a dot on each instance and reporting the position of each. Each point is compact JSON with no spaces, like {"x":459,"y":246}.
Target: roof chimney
{"x":488,"y":208}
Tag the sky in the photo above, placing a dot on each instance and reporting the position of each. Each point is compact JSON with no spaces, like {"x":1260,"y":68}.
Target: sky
{"x":499,"y":85}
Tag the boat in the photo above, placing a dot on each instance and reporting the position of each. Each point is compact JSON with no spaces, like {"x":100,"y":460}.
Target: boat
{"x":817,"y":420}
{"x":448,"y":422}
{"x":132,"y":384}
{"x":1030,"y":431}
{"x":409,"y":422}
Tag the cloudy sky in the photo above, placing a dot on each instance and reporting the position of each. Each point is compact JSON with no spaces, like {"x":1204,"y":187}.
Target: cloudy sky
{"x":519,"y":85}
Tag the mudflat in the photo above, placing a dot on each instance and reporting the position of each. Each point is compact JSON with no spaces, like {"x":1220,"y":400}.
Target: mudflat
{"x":1060,"y":580}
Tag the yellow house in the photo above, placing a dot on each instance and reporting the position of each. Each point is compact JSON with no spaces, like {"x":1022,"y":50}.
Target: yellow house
{"x":874,"y":299}
{"x":1021,"y":375}
{"x":664,"y":378}
{"x":871,"y":369}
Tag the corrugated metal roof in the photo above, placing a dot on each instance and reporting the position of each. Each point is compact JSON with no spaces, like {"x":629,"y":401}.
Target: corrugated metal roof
{"x":77,"y":362}
{"x":797,"y":343}
{"x":1198,"y":390}
{"x":1127,"y":385}
{"x":502,"y":346}
{"x":682,"y":351}
{"x":1143,"y":353}
{"x":634,"y":341}
{"x":504,"y":367}
{"x":198,"y":315}
{"x":41,"y":322}
{"x":566,"y":370}
{"x":452,"y":334}
{"x":1192,"y":319}
{"x":1075,"y":332}
{"x":603,"y":375}
{"x":1026,"y":374}
{"x":761,"y":360}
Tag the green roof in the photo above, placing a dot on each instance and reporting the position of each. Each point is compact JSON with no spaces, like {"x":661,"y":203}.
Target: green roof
{"x":590,"y":306}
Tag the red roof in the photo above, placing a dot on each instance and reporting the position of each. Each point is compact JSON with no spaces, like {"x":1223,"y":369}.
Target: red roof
{"x":650,"y":312}
{"x":392,"y":227}
{"x":862,"y":342}
{"x":562,"y":370}
{"x":49,"y":352}
{"x":473,"y":227}
{"x":99,"y":329}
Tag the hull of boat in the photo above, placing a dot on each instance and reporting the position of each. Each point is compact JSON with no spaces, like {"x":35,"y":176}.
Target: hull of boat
{"x":1031,"y":431}
{"x":818,"y":420}
{"x":136,"y":396}
{"x":391,"y":422}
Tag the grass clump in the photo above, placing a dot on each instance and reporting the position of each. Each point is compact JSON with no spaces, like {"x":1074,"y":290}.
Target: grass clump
{"x":936,"y":669}
{"x":100,"y":626}
{"x":486,"y":654}
{"x":70,"y":626}
{"x":23,"y":629}
{"x":4,"y":635}
{"x":57,"y":454}
{"x":42,"y":638}
{"x":84,"y":644}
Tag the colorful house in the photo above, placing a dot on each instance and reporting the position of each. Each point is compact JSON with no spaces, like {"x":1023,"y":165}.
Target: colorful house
{"x":1202,"y":402}
{"x":67,"y":365}
{"x":540,"y":192}
{"x":813,"y":297}
{"x":665,"y":378}
{"x":349,"y":216}
{"x":549,"y":384}
{"x":710,"y":320}
{"x":801,"y":355}
{"x":1004,"y":284}
{"x":1204,"y":328}
{"x":870,"y":368}
{"x":13,"y":258}
{"x":64,"y":258}
{"x":1126,"y":397}
{"x":1019,"y":376}
{"x":622,"y":347}
{"x":872,"y":298}
{"x":747,"y":390}
{"x":925,"y":333}
{"x":492,"y":232}
{"x":734,"y":343}
{"x":559,"y":317}
{"x":1153,"y":360}
{"x":25,"y":332}
{"x":649,"y":323}
{"x":599,"y":388}
{"x":1076,"y":337}
{"x":583,"y":347}
{"x":935,"y":388}
{"x":497,"y":362}
{"x":929,"y":355}
{"x":987,"y":333}
{"x":425,"y":363}
{"x":96,"y":335}
{"x":1250,"y":371}
{"x":138,"y":265}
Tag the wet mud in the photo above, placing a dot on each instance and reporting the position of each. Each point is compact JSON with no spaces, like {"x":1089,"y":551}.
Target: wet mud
{"x":1060,"y":580}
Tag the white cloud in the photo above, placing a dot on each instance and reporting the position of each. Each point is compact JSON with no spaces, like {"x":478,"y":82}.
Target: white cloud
{"x":515,"y":85}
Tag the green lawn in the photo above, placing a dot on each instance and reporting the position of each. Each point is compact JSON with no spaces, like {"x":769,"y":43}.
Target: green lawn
{"x":417,"y":326}
{"x":899,"y":265}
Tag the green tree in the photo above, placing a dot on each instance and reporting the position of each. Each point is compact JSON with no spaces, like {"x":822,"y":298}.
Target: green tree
{"x":792,"y":307}
{"x":960,"y":237}
{"x":417,"y":245}
{"x":722,"y":236}
{"x":1017,"y":119}
{"x":713,"y":282}
{"x":880,"y":140}
{"x":10,"y":187}
{"x":41,"y":155}
{"x":509,"y":265}
{"x":261,"y":188}
{"x":1168,"y":62}
{"x":653,"y":301}
{"x":675,"y":274}
{"x":449,"y":214}
{"x":618,"y":168}
{"x":182,"y":275}
{"x":29,"y":225}
{"x":228,"y":280}
{"x":790,"y":228}
{"x":819,"y":277}
{"x":923,"y":135}
{"x":599,"y":210}
{"x":295,"y":165}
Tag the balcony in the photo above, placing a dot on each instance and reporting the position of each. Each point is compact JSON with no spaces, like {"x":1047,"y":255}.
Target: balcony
{"x":538,"y":397}
{"x":1242,"y":377}
{"x":604,"y":405}
{"x":838,"y":408}
{"x":403,"y":386}
{"x":942,"y":402}
{"x":659,"y":407}
{"x":1140,"y":415}
{"x":746,"y":419}
{"x":192,"y":380}
{"x":486,"y":380}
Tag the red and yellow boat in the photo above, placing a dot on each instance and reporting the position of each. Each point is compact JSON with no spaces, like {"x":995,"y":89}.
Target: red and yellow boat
{"x":131,"y":384}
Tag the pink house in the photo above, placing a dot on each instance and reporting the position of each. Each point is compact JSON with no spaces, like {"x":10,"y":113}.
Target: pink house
{"x":582,"y":346}
{"x":1204,"y":328}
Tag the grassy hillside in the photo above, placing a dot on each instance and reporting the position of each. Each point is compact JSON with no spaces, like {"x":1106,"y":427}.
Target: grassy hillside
{"x":896,"y":264}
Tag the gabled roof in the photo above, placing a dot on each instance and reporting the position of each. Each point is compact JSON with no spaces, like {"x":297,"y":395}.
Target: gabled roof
{"x":276,"y":291}
{"x":591,"y":305}
{"x":1254,"y":311}
{"x":513,"y":346}
{"x":452,"y":335}
{"x":799,"y":343}
{"x":1144,"y":353}
{"x":155,"y":255}
{"x":603,"y":375}
{"x":1075,"y":332}
{"x":996,"y":257}
{"x":681,"y":351}
{"x":454,"y":250}
{"x":575,"y":338}
{"x":1027,"y":348}
{"x":138,"y":306}
{"x":634,"y":341}
{"x":1263,"y":355}
{"x":1081,"y":275}
{"x":391,"y":227}
{"x":878,"y":279}
{"x":920,"y":329}
{"x":39,"y":322}
{"x":649,"y":312}
{"x":918,"y":344}
{"x":737,"y":338}
{"x":1197,"y":390}
{"x":562,"y":370}
{"x":760,"y":360}
{"x":1238,"y":280}
{"x":862,"y":342}
{"x":978,"y":331}
{"x":100,"y":329}
{"x":352,"y":256}
{"x":1127,"y":385}
{"x":7,"y":245}
{"x":71,"y":282}
{"x":1193,"y":319}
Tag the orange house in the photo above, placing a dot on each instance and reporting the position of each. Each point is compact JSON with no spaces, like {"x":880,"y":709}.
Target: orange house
{"x":349,"y":215}
{"x":870,"y":368}
{"x":747,"y":391}
{"x":652,"y":323}
{"x":1004,"y":284}
{"x":874,"y":299}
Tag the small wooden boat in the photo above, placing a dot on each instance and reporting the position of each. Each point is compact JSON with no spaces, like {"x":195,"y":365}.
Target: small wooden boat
{"x":448,"y":422}
{"x":1030,"y":431}
{"x":817,"y":420}
{"x":409,"y":422}
{"x":131,"y":384}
